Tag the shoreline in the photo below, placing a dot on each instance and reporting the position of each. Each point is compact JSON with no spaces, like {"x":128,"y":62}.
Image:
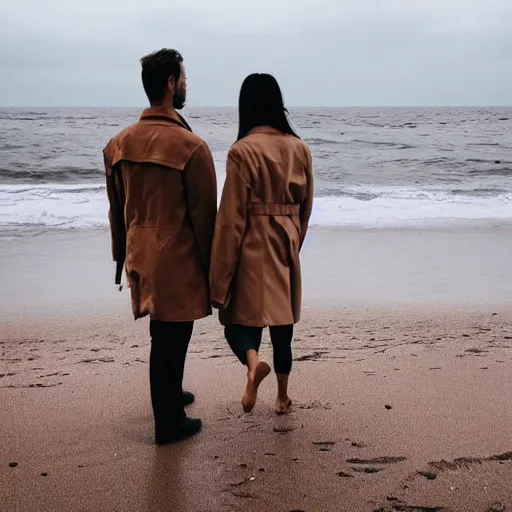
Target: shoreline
{"x":70,"y":272}
{"x":442,"y":224}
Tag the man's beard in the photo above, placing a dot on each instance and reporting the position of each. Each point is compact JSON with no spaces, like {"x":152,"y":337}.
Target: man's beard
{"x":178,"y":102}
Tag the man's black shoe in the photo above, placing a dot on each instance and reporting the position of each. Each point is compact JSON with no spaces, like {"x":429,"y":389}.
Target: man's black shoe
{"x":182,"y":430}
{"x":188,"y":398}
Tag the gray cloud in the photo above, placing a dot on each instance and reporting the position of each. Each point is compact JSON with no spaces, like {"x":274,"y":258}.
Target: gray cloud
{"x":324,"y":52}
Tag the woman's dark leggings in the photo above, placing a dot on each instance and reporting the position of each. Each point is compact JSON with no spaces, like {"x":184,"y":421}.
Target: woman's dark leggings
{"x":242,"y":338}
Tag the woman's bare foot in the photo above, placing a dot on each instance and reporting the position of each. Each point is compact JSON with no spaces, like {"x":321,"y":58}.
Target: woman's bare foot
{"x":283,"y":402}
{"x":254,"y":379}
{"x":283,"y":405}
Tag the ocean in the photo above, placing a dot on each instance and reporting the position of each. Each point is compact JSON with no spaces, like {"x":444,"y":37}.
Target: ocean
{"x":374,"y":167}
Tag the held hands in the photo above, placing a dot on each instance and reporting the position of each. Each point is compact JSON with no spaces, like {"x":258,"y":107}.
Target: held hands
{"x":224,"y":305}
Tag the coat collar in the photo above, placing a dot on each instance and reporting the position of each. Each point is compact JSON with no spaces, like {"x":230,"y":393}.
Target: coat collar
{"x":264,"y":129}
{"x":165,"y":114}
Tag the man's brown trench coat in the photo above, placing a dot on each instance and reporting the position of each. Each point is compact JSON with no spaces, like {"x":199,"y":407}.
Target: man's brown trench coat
{"x":261,"y":224}
{"x":162,"y":192}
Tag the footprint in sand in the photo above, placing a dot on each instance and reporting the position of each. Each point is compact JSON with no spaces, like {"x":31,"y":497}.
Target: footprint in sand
{"x":402,"y":507}
{"x":464,"y":475}
{"x":475,"y":351}
{"x":283,"y":430}
{"x":324,"y":446}
{"x":342,"y":474}
{"x":315,"y":356}
{"x":314,"y":405}
{"x":368,"y":471}
{"x":429,"y":475}
{"x":373,"y":465}
{"x":497,"y":507}
{"x":98,"y":360}
{"x":377,"y":460}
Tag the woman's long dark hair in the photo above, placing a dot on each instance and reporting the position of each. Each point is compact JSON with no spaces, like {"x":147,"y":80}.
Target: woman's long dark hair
{"x":261,"y":104}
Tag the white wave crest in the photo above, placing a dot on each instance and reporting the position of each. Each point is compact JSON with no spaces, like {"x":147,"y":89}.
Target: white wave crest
{"x":86,"y":206}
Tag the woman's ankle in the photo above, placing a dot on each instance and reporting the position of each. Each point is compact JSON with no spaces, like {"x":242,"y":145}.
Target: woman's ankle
{"x":252,"y":360}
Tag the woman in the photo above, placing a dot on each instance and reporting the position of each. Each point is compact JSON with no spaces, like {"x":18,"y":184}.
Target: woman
{"x":262,"y":221}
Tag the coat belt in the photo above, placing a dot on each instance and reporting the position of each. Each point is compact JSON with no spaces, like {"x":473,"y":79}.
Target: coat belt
{"x":274,"y":209}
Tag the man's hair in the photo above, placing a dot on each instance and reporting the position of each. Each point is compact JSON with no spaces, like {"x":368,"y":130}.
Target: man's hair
{"x":157,"y":67}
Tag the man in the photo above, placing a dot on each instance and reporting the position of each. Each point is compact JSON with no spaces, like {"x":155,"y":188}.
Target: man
{"x":162,"y":191}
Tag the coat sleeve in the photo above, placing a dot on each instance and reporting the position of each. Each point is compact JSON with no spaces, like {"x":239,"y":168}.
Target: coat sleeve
{"x":307,"y":203}
{"x":116,"y":199}
{"x":229,"y":231}
{"x":201,"y":193}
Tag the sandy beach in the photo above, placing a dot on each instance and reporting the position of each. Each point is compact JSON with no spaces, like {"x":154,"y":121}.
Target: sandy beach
{"x":401,"y":384}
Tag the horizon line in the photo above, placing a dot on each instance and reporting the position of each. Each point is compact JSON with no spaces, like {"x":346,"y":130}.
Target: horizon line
{"x":236,"y":106}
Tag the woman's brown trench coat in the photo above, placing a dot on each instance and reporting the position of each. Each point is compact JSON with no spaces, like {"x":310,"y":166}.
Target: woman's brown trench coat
{"x":255,"y":274}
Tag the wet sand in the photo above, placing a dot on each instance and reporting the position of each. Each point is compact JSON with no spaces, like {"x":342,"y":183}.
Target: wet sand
{"x":59,"y":273}
{"x":399,"y":405}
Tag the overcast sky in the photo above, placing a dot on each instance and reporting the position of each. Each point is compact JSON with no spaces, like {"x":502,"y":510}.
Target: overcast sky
{"x":323,"y":52}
